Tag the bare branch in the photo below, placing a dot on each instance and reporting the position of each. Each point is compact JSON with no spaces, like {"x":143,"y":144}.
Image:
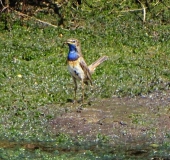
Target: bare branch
{"x":24,"y":15}
{"x":4,"y":7}
{"x":131,"y":10}
{"x":144,"y":10}
{"x":2,"y":3}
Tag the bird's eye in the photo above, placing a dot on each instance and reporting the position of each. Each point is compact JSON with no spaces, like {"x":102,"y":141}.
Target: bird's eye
{"x":74,"y":41}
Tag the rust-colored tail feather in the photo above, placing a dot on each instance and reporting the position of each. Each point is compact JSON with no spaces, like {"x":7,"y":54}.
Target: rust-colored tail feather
{"x":93,"y":66}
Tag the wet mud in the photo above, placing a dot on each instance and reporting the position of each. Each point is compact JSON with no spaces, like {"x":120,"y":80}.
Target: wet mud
{"x":137,"y":120}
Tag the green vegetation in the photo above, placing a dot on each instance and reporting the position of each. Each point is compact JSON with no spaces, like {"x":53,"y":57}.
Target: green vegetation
{"x":35,"y":85}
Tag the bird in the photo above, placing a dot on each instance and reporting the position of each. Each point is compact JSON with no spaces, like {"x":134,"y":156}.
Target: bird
{"x":78,"y":67}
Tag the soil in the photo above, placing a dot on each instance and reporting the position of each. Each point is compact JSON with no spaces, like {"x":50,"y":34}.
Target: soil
{"x":137,"y":120}
{"x":135,"y":126}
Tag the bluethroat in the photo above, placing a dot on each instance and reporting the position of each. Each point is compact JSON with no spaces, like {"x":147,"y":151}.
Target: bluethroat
{"x":78,"y":67}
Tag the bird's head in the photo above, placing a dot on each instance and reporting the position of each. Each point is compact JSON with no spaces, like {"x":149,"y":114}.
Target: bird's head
{"x":73,"y":44}
{"x":72,"y":41}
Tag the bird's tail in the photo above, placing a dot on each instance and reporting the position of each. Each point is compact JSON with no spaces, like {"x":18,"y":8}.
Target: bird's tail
{"x":93,"y":66}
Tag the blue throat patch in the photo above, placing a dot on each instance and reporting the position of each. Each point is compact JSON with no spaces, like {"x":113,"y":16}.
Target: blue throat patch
{"x":72,"y":55}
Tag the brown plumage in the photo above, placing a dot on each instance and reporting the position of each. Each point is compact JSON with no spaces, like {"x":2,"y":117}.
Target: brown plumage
{"x":93,"y":66}
{"x":78,"y":67}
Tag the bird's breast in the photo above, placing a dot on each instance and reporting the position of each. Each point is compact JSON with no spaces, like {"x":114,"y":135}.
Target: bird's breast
{"x":73,"y":63}
{"x":75,"y":69}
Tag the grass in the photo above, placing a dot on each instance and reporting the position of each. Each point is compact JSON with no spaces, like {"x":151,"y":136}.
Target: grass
{"x":35,"y":84}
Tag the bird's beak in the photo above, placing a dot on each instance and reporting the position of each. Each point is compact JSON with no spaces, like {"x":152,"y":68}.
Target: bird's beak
{"x":68,"y":42}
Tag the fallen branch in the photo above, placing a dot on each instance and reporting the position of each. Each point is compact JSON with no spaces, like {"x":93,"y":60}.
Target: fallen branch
{"x":4,"y":7}
{"x":43,"y":22}
{"x":131,"y":10}
{"x":2,"y":3}
{"x":144,"y":10}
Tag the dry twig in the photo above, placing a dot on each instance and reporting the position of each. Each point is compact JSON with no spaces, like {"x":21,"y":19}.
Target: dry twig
{"x":38,"y":20}
{"x":144,"y":11}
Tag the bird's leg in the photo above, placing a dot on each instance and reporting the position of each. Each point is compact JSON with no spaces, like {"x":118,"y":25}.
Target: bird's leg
{"x":75,"y":88}
{"x":82,"y":85}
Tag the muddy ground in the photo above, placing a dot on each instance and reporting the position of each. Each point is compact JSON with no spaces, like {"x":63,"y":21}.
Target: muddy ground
{"x":137,"y":120}
{"x":131,"y":127}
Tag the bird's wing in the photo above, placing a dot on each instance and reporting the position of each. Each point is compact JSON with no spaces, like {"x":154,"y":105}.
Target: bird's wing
{"x":85,"y":69}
